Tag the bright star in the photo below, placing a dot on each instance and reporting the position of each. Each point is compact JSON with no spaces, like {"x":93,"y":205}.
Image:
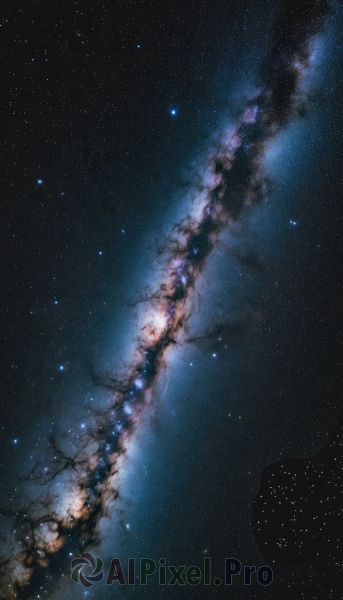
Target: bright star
{"x":62,"y":367}
{"x":293,"y":222}
{"x":100,"y":253}
{"x":127,"y":409}
{"x":39,"y":181}
{"x":173,"y":112}
{"x":15,"y":441}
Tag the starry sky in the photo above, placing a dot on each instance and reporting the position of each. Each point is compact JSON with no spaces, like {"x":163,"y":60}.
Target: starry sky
{"x":171,"y":288}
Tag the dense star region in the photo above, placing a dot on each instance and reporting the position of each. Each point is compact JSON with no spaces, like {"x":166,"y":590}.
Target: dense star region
{"x":302,"y":495}
{"x":297,"y":513}
{"x":80,"y":489}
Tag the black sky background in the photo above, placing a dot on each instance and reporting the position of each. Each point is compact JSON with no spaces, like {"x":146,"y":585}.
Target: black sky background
{"x":88,"y":111}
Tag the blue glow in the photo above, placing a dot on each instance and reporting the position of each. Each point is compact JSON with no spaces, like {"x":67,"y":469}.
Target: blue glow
{"x":100,"y":253}
{"x":61,"y":367}
{"x":173,"y":112}
{"x":293,"y":222}
{"x":123,"y":230}
{"x":39,"y":181}
{"x":15,"y":441}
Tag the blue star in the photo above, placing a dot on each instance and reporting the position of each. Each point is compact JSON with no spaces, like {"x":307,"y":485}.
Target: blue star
{"x":39,"y":181}
{"x":61,"y":367}
{"x":15,"y":441}
{"x":100,"y":253}
{"x":293,"y":222}
{"x":173,"y":112}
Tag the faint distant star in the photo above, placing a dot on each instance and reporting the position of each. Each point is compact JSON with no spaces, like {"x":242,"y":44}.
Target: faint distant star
{"x":100,"y":253}
{"x":293,"y":222}
{"x":123,"y":230}
{"x":56,"y":302}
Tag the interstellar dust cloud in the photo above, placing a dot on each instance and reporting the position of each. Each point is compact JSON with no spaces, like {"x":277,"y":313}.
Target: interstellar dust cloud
{"x":81,"y":488}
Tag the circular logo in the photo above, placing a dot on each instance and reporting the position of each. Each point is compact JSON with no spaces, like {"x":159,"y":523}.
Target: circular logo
{"x":87,"y":560}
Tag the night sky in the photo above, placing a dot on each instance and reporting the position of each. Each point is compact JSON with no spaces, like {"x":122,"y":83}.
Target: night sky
{"x":172,"y":297}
